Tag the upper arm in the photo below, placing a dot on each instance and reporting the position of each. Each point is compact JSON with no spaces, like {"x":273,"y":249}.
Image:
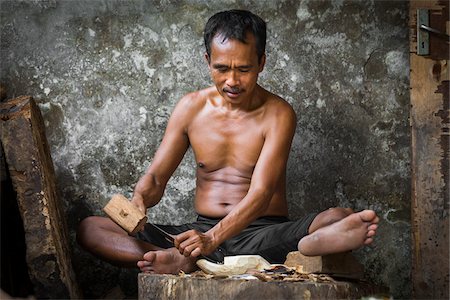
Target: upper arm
{"x":271,"y":164}
{"x":174,"y":143}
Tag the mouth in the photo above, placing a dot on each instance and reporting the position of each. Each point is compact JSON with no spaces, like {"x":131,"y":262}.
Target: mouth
{"x":232,"y":92}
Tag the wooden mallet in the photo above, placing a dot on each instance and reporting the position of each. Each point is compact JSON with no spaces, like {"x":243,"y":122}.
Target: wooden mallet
{"x":125,"y":214}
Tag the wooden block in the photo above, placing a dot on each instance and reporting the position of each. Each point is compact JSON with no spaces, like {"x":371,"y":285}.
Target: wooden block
{"x":339,"y":264}
{"x":30,"y":166}
{"x":125,"y":214}
{"x":165,"y":287}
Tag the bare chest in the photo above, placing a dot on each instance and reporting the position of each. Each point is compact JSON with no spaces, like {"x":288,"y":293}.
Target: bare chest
{"x":220,"y":142}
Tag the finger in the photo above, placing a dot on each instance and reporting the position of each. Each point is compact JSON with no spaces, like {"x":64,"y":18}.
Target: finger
{"x":178,"y":239}
{"x":188,"y":250}
{"x":196,"y":252}
{"x":193,"y":240}
{"x":139,"y":203}
{"x":143,"y":209}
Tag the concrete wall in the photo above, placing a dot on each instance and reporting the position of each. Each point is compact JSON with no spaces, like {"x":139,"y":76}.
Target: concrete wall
{"x":106,"y":75}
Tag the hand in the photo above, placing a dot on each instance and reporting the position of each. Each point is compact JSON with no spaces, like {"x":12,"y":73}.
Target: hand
{"x":193,"y":243}
{"x":138,"y":201}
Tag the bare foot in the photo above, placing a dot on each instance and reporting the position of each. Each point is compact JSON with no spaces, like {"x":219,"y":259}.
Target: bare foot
{"x":167,"y":261}
{"x":352,"y":232}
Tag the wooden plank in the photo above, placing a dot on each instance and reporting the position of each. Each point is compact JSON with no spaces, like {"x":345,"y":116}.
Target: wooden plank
{"x":27,"y":154}
{"x":165,"y":287}
{"x":430,"y":157}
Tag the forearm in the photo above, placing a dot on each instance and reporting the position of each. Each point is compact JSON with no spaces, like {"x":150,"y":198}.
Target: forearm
{"x":149,"y":190}
{"x":245,"y":212}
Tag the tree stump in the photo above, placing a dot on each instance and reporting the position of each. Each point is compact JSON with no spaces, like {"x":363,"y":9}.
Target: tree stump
{"x":27,"y":154}
{"x":165,"y":287}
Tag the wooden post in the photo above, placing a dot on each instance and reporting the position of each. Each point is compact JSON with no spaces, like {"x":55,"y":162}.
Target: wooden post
{"x":430,"y":126}
{"x":27,"y":154}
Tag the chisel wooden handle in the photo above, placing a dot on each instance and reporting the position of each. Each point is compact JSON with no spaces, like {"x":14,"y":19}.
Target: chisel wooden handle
{"x":125,"y":214}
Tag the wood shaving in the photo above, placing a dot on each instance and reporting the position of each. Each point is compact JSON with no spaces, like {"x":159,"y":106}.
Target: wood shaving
{"x":279,"y":273}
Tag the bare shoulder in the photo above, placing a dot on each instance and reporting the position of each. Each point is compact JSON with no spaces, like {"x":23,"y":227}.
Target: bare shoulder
{"x":194,"y":101}
{"x":278,"y":109}
{"x":189,"y":106}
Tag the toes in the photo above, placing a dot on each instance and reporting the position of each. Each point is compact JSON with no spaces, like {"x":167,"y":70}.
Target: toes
{"x":368,"y":241}
{"x":370,"y":233}
{"x":372,"y":227}
{"x":150,"y":256}
{"x":367,"y":215}
{"x":143,"y":263}
{"x":145,"y":266}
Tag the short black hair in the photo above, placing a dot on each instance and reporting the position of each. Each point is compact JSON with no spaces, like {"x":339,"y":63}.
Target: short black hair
{"x":235,"y":24}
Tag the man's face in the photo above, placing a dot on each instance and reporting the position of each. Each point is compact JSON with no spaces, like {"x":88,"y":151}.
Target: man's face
{"x":234,"y":68}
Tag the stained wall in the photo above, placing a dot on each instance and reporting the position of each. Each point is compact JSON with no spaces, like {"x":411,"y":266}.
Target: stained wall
{"x":107,"y":74}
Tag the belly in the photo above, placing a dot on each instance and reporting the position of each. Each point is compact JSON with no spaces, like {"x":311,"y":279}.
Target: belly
{"x":219,"y":191}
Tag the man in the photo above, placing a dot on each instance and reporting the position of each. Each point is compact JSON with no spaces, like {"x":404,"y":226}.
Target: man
{"x":241,"y":136}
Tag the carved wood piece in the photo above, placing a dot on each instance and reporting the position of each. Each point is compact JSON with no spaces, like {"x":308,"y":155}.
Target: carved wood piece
{"x":234,"y":265}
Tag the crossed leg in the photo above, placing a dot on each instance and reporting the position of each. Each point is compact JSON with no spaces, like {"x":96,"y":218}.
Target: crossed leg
{"x":106,"y":240}
{"x":332,"y":231}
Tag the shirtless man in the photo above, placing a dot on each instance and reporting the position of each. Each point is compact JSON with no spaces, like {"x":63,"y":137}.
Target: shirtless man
{"x":241,"y":136}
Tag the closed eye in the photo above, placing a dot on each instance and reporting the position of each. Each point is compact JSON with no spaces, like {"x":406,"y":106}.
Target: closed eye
{"x":221,"y":68}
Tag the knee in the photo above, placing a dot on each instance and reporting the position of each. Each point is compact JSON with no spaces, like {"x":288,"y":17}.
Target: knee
{"x":86,"y":231}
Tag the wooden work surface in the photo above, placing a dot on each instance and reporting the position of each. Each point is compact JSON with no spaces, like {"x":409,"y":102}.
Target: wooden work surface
{"x":166,"y":287}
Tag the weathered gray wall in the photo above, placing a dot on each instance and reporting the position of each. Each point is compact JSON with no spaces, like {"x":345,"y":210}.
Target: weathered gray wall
{"x":106,"y":75}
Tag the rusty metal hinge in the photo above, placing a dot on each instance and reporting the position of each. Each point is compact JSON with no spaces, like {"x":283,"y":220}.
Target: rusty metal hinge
{"x":424,"y":30}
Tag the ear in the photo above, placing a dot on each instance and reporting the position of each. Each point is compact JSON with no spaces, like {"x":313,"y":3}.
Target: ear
{"x":207,"y":60}
{"x":262,"y":63}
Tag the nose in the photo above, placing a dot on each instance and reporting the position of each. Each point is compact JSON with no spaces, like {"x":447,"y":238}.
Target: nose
{"x":233,"y":78}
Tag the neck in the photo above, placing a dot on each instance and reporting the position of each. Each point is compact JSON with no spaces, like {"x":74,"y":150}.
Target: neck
{"x":254,"y":101}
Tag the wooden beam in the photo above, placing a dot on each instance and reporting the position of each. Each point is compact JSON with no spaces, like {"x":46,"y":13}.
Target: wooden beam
{"x":27,"y":154}
{"x":430,"y":156}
